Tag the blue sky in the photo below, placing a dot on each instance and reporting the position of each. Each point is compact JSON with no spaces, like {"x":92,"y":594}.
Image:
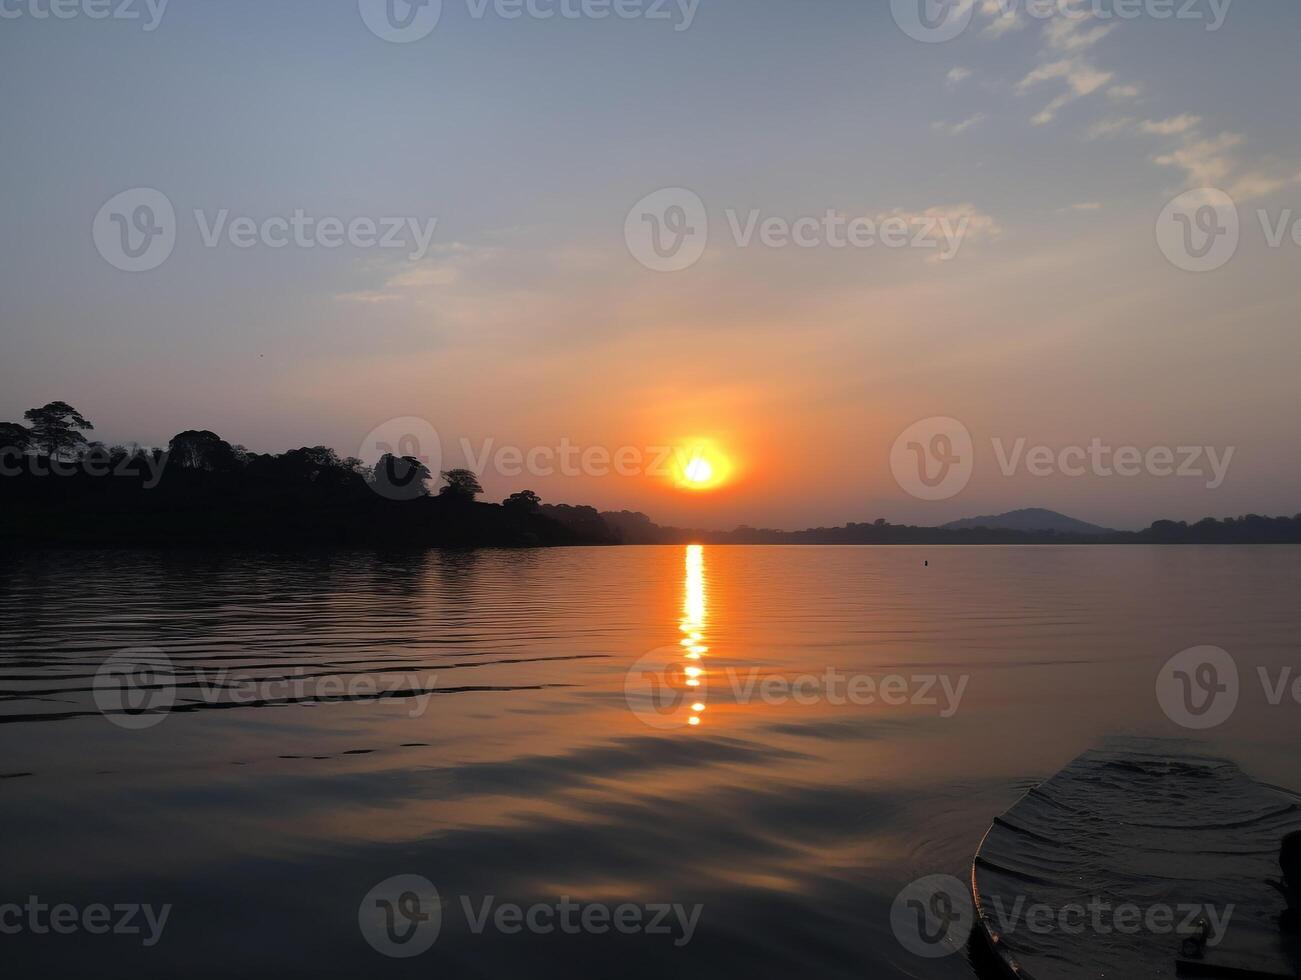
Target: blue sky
{"x":1059,"y":139}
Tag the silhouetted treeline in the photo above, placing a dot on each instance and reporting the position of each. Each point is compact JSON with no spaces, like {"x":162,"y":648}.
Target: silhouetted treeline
{"x":635,"y":528}
{"x":57,"y":488}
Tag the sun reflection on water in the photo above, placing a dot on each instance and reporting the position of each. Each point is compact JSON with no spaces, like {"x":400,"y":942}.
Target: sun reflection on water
{"x":694,"y":605}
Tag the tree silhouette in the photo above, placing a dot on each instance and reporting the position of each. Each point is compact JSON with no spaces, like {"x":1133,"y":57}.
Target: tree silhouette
{"x":54,"y":428}
{"x":14,"y":436}
{"x":525,"y":500}
{"x":461,"y":485}
{"x":401,"y":477}
{"x":200,"y":450}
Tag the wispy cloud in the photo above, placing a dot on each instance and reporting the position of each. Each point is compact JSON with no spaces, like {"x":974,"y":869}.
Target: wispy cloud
{"x":1174,"y":126}
{"x":1204,"y":161}
{"x":1080,"y":77}
{"x":954,"y":128}
{"x":957,"y":75}
{"x":1107,"y":128}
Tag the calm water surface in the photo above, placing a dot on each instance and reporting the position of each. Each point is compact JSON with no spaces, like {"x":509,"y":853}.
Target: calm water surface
{"x":541,"y":742}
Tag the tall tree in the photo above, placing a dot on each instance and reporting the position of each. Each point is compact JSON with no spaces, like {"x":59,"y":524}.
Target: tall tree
{"x":55,"y":428}
{"x":201,"y":450}
{"x":461,"y":485}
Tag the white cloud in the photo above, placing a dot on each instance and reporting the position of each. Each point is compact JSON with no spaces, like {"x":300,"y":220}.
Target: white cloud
{"x":953,"y":129}
{"x":957,"y":75}
{"x":1174,"y":126}
{"x":1074,"y":33}
{"x":1081,"y":78}
{"x":1123,"y":93}
{"x":954,"y":226}
{"x":1003,"y":18}
{"x":1206,"y":162}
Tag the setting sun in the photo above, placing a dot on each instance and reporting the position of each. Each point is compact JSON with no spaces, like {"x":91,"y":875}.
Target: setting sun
{"x":699,"y":465}
{"x":699,"y":471}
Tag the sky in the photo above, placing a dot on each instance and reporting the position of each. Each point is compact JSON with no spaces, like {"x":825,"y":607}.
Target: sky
{"x":565,"y":161}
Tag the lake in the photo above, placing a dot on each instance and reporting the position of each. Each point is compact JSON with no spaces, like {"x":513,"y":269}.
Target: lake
{"x":645,"y":762}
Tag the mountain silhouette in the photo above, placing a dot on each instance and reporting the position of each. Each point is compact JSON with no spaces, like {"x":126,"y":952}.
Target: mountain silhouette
{"x":1029,"y":519}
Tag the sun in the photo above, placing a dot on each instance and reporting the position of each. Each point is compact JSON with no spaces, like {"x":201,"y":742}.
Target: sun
{"x":699,"y":470}
{"x":698,"y":465}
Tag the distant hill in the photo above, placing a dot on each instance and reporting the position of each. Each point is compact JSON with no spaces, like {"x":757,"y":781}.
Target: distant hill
{"x":1029,"y":519}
